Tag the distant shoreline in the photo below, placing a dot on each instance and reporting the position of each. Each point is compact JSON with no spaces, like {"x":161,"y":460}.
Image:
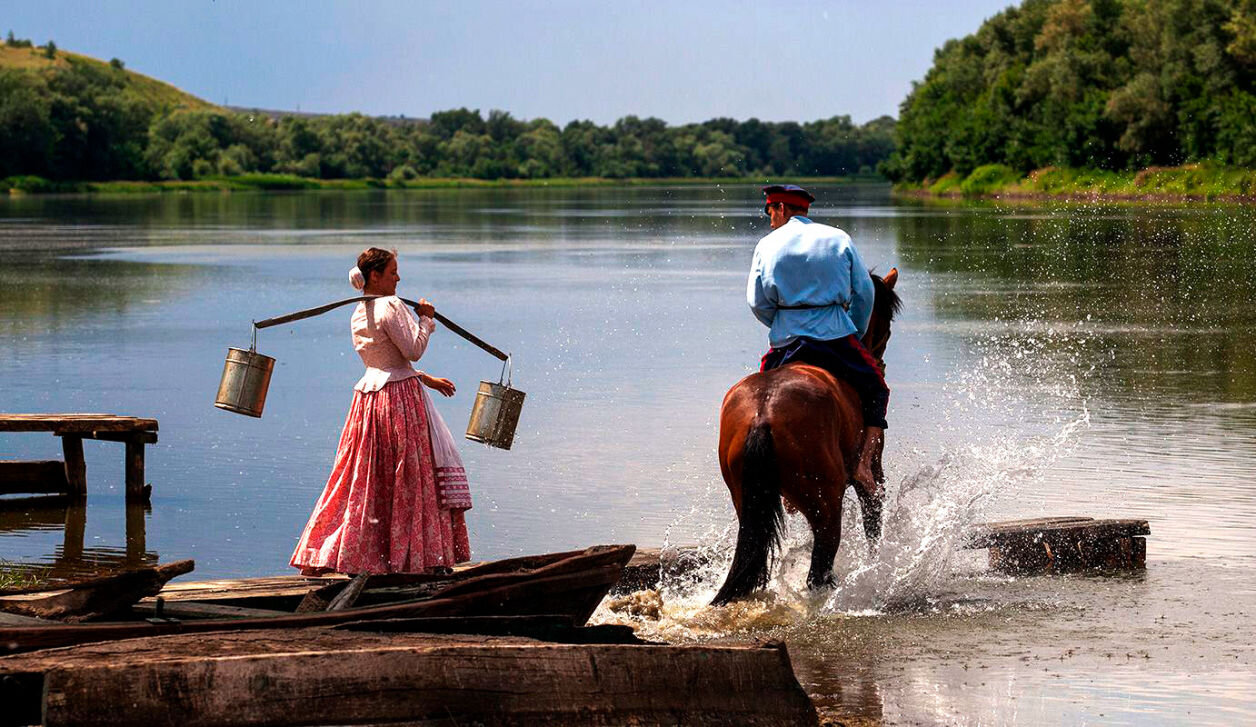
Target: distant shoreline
{"x":1188,"y":183}
{"x":21,"y":186}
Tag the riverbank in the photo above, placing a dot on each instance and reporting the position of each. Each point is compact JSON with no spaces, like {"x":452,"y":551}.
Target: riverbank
{"x":288,"y":182}
{"x":1188,"y":183}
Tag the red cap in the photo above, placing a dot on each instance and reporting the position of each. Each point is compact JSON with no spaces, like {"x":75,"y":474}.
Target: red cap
{"x":790,"y":194}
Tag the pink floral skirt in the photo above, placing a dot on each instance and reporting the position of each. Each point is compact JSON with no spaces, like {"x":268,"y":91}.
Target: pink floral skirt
{"x":380,"y":511}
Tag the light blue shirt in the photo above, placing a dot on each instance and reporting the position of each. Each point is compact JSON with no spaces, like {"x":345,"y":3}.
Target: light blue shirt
{"x":807,"y":263}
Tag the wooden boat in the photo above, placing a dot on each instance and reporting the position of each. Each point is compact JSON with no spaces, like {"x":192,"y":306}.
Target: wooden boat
{"x":569,"y":584}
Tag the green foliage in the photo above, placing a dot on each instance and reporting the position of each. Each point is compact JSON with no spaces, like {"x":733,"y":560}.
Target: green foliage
{"x":50,"y":50}
{"x":1192,"y":181}
{"x":988,"y":178}
{"x":84,"y":121}
{"x":28,"y":183}
{"x":1100,"y":84}
{"x":14,"y":42}
{"x":948,"y":184}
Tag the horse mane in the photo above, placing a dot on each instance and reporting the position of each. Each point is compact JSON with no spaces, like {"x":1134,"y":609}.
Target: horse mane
{"x":887,"y":303}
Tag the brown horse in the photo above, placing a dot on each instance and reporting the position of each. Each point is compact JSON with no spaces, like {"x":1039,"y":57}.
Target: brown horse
{"x":794,"y":433}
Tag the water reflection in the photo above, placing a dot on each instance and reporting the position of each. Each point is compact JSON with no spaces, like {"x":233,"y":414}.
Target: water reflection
{"x":1166,"y":290}
{"x":69,"y":514}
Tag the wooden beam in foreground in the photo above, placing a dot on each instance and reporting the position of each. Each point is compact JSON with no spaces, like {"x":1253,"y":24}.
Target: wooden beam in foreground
{"x":304,"y":677}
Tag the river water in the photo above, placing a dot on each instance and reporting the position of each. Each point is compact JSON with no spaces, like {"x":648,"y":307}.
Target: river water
{"x":1051,"y":360}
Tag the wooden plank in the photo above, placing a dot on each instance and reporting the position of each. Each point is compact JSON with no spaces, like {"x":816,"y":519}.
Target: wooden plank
{"x":194,"y":609}
{"x":44,"y":476}
{"x":349,"y":594}
{"x":13,"y":619}
{"x":498,"y":681}
{"x":74,"y":423}
{"x":291,"y":586}
{"x":75,"y":465}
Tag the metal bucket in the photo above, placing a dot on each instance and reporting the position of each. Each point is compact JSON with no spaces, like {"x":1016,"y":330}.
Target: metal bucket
{"x":245,"y":379}
{"x":495,"y":413}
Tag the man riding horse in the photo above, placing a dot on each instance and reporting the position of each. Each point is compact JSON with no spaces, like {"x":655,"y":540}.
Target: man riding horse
{"x":809,"y":286}
{"x":795,"y":436}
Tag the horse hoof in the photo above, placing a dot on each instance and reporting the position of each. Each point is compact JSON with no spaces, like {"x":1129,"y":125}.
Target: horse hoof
{"x":828,"y":581}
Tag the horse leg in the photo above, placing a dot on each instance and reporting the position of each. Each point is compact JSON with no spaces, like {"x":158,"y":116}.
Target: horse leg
{"x":870,"y":507}
{"x":817,"y":493}
{"x":826,"y":529}
{"x":871,"y":499}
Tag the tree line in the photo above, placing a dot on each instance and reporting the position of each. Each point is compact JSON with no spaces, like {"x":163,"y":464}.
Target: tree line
{"x":84,"y":121}
{"x":1101,"y":84}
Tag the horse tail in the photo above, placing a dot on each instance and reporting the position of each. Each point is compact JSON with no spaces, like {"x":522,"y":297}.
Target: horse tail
{"x":762,"y":516}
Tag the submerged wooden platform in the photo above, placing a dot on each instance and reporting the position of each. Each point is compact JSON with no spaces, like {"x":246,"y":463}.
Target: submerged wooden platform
{"x":1070,"y":544}
{"x":325,"y":676}
{"x":1063,"y":544}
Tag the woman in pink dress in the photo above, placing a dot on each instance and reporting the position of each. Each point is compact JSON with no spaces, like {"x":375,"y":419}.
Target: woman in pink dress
{"x":397,"y":493}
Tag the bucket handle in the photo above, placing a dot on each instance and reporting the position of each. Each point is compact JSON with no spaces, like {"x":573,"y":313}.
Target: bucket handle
{"x":508,"y":370}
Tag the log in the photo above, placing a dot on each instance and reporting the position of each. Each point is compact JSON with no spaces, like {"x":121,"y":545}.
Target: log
{"x":93,"y":598}
{"x":348,"y":595}
{"x":36,"y":477}
{"x":455,"y":680}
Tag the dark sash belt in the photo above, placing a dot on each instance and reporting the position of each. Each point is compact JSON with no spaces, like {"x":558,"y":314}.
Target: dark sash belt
{"x":809,"y":306}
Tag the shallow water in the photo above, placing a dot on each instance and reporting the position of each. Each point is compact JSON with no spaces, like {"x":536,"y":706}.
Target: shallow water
{"x":1051,"y":360}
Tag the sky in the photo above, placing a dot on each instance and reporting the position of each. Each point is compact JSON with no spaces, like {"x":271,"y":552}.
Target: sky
{"x":682,"y":61}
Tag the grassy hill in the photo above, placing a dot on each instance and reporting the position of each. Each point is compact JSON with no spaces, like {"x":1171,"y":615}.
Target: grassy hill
{"x":157,"y":94}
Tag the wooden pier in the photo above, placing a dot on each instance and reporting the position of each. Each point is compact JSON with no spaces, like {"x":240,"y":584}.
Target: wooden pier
{"x":69,"y":477}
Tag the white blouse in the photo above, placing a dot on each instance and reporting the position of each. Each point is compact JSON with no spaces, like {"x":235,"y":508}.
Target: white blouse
{"x":388,"y":338}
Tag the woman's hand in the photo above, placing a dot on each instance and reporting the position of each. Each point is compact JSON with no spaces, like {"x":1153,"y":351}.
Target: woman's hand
{"x":435,"y":383}
{"x":425,"y":309}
